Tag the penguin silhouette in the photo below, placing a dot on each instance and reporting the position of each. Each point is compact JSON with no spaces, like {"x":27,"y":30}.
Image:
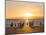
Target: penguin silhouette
{"x":11,"y":24}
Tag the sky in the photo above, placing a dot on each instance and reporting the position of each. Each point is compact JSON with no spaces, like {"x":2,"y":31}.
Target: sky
{"x":23,"y":9}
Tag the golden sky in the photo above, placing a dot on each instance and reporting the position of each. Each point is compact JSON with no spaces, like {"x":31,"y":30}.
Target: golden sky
{"x":19,"y":9}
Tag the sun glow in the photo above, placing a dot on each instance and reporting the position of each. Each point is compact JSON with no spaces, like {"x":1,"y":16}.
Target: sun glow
{"x":27,"y":14}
